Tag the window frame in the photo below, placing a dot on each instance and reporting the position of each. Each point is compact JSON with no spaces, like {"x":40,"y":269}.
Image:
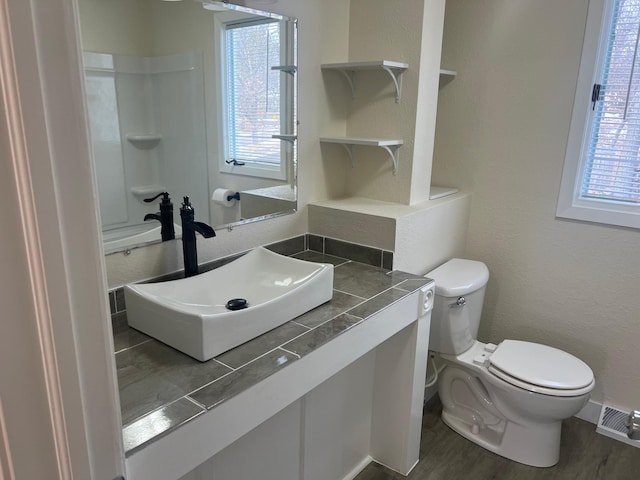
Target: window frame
{"x":252,"y":169}
{"x":570,"y":203}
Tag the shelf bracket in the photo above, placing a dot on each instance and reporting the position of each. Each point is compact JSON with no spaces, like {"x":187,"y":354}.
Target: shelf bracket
{"x":349,"y":148}
{"x":394,"y":153}
{"x":397,"y":80}
{"x":392,"y":150}
{"x":350,"y":76}
{"x":286,"y":138}
{"x":396,"y":76}
{"x":288,"y":69}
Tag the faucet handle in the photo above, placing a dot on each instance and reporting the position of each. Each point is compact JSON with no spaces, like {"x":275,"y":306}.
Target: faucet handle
{"x":186,"y":203}
{"x":164,"y":199}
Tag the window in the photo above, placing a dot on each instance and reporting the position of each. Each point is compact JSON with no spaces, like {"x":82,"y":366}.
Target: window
{"x":254,"y":93}
{"x":601,"y":178}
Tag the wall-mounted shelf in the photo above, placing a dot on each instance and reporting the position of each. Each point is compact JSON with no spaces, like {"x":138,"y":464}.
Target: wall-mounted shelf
{"x":440,"y":192}
{"x":290,"y":69}
{"x":147,"y":191}
{"x":446,"y":76}
{"x":348,"y":69}
{"x":287,"y":138}
{"x":390,"y":146}
{"x":146,"y":141}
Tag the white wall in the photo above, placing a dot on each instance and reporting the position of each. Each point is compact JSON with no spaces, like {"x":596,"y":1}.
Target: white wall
{"x":60,"y":417}
{"x":501,"y":133}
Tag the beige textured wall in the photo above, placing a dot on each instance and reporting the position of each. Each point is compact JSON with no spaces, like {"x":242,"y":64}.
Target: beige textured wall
{"x":430,"y":236}
{"x":383,"y":30}
{"x":116,"y":26}
{"x":393,"y":30}
{"x":179,"y":27}
{"x":501,"y":133}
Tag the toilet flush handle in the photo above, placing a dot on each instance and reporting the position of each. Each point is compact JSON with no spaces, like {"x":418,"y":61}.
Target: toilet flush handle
{"x":460,"y":302}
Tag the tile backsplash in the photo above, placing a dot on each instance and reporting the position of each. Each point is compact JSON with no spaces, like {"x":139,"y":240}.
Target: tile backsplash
{"x":353,"y":251}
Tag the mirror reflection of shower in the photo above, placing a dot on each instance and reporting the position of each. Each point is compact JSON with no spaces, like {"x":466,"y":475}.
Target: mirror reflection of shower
{"x":167,"y":114}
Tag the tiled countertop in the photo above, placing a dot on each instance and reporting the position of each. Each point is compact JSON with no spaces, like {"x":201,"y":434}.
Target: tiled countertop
{"x":161,"y":388}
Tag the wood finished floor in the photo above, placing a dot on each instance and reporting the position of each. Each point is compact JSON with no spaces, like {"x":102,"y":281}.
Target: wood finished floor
{"x":445,"y":455}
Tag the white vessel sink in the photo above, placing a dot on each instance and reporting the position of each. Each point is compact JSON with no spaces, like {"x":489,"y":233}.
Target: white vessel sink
{"x":191,"y":315}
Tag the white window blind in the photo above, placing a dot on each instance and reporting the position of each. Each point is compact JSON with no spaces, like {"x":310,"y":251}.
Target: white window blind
{"x":253,"y":113}
{"x":612,"y":166}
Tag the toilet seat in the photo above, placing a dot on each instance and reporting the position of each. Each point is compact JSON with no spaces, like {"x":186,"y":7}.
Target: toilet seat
{"x":540,"y":369}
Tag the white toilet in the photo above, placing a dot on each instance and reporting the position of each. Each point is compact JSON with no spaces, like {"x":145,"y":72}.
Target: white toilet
{"x":509,"y":398}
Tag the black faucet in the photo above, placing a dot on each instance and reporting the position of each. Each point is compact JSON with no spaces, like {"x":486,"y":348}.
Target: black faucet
{"x":189,"y":229}
{"x":164,"y":216}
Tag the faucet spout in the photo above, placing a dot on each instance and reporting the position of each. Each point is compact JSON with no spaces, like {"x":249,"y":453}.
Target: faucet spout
{"x":203,"y":229}
{"x":189,"y":229}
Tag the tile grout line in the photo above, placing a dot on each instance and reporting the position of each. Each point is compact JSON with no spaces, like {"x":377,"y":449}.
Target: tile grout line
{"x":281,"y":347}
{"x":195,"y":402}
{"x":308,"y":328}
{"x":130,"y":347}
{"x":350,"y":294}
{"x":224,"y":364}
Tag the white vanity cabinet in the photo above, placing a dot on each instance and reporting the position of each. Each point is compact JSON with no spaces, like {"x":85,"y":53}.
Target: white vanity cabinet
{"x":355,"y":399}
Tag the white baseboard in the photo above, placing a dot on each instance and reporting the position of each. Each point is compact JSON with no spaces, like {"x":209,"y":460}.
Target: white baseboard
{"x":590,"y":412}
{"x":358,"y":468}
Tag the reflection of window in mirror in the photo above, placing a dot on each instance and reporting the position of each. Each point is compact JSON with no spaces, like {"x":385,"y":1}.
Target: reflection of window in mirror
{"x":258,"y":100}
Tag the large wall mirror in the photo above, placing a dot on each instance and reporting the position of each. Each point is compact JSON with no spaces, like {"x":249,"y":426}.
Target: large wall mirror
{"x":195,"y":98}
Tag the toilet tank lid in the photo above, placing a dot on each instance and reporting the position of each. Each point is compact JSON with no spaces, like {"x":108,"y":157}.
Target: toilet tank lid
{"x":459,"y":277}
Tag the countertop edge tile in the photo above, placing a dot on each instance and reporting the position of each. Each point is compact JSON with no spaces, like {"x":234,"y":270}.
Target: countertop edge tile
{"x":160,"y":422}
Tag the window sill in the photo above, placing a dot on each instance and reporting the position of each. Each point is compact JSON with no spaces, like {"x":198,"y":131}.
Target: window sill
{"x":608,"y":213}
{"x":254,"y":170}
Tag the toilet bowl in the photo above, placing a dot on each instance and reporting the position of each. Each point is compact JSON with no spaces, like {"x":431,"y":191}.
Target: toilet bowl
{"x":509,"y":398}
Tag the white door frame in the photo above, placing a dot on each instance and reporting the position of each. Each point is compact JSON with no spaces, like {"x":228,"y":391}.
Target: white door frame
{"x":59,"y":411}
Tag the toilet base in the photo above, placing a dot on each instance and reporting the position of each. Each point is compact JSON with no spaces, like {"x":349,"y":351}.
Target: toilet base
{"x":513,"y":422}
{"x":535,"y":445}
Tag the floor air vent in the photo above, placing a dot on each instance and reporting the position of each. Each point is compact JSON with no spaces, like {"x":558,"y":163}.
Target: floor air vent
{"x":612,"y":424}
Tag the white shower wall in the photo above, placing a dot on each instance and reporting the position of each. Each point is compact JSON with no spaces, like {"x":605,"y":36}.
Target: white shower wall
{"x":161,"y":96}
{"x":105,"y":133}
{"x":179,"y":114}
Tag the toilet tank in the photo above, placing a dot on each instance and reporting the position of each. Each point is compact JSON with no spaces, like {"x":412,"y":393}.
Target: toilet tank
{"x":460,"y":286}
